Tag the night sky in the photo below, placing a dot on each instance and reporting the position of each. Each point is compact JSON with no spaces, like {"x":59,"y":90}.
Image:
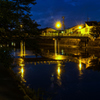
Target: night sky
{"x":47,"y":12}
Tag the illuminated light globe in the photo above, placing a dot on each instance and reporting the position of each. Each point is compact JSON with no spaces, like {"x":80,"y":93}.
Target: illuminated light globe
{"x":80,"y":27}
{"x":58,"y":25}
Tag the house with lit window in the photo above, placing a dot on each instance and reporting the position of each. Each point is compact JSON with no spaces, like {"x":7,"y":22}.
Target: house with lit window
{"x":83,"y":28}
{"x":46,"y":31}
{"x":88,"y":26}
{"x":75,"y":29}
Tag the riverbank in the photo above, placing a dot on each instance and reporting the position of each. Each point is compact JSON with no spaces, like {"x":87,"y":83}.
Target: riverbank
{"x":12,"y":88}
{"x":9,"y":89}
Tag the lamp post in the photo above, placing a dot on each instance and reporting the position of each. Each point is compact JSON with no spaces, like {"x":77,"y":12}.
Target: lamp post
{"x":58,"y":26}
{"x":57,"y":40}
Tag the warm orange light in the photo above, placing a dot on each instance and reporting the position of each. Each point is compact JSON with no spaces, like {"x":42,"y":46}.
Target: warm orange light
{"x":58,"y":70}
{"x":58,"y":25}
{"x":59,"y":57}
{"x":22,"y":71}
{"x":80,"y":65}
{"x":21,"y":25}
{"x":80,"y":27}
{"x":59,"y":73}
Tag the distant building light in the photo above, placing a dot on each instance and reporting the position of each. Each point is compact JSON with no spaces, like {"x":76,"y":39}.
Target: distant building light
{"x":80,"y":27}
{"x":12,"y":43}
{"x":62,"y":31}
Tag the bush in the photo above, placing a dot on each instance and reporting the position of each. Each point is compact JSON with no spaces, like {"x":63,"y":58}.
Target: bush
{"x":5,"y":58}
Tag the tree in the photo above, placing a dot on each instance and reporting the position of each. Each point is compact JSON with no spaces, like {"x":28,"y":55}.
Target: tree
{"x":29,"y":26}
{"x":6,"y":16}
{"x":12,"y":14}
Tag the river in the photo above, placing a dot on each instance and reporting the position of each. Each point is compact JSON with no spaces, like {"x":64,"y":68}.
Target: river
{"x":71,"y":74}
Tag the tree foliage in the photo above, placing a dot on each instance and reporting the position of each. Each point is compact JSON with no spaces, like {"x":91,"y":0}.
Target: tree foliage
{"x":5,"y":57}
{"x":13,"y":13}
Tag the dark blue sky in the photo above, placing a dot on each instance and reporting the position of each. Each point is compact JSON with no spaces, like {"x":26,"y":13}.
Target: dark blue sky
{"x":47,"y":12}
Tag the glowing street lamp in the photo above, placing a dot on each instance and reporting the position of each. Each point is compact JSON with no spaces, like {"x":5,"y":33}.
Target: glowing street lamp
{"x":58,"y":25}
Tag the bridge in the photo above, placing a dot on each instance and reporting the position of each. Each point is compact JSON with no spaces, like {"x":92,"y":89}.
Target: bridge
{"x":66,"y":35}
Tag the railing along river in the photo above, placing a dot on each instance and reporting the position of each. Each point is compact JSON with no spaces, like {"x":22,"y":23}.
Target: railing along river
{"x":67,"y":34}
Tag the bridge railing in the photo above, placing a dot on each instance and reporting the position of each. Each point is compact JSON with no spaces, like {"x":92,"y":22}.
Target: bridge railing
{"x":64,"y":34}
{"x":67,"y":34}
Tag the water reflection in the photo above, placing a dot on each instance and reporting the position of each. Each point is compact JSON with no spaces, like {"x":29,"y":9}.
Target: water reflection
{"x":72,"y":55}
{"x":94,"y":64}
{"x":56,"y":72}
{"x":21,"y":69}
{"x":80,"y":67}
{"x":59,"y":73}
{"x":22,"y":49}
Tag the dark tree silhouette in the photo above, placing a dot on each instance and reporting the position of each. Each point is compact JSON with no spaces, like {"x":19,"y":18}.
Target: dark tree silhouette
{"x":13,"y":13}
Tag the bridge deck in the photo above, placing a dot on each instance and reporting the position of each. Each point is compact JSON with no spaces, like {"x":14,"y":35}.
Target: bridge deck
{"x":65,"y":35}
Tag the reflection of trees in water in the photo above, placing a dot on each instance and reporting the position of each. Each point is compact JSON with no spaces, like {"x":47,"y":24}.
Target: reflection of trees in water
{"x":33,"y":45}
{"x":94,"y":64}
{"x":64,"y":50}
{"x":94,"y":51}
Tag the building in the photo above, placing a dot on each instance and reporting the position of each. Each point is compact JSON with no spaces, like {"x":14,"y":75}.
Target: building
{"x":46,"y":31}
{"x":74,"y":29}
{"x":88,"y":26}
{"x":83,"y":28}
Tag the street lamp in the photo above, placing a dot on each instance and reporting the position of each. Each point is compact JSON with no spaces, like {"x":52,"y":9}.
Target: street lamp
{"x":58,"y":25}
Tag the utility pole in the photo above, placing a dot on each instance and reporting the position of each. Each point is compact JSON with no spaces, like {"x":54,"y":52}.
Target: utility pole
{"x":87,"y":18}
{"x":63,"y":23}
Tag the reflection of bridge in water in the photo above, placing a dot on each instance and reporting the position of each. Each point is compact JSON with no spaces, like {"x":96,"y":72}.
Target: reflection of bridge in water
{"x":52,"y":57}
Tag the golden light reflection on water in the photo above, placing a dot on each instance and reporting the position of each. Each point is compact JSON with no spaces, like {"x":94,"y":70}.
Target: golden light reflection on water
{"x":59,"y":73}
{"x":59,"y":57}
{"x":80,"y":67}
{"x":22,"y":72}
{"x":22,"y":49}
{"x":21,"y":69}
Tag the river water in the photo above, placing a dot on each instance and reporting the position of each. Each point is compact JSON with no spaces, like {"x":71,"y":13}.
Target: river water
{"x":73,"y":74}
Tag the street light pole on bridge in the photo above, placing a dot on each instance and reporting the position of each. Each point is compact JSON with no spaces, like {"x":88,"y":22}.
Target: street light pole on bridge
{"x":58,"y":25}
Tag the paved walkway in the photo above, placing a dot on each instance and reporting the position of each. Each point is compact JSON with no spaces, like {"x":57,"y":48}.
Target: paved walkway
{"x":8,"y":87}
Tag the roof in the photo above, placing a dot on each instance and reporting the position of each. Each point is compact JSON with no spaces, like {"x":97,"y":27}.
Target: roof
{"x":92,"y":23}
{"x":46,"y":28}
{"x":77,"y":26}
